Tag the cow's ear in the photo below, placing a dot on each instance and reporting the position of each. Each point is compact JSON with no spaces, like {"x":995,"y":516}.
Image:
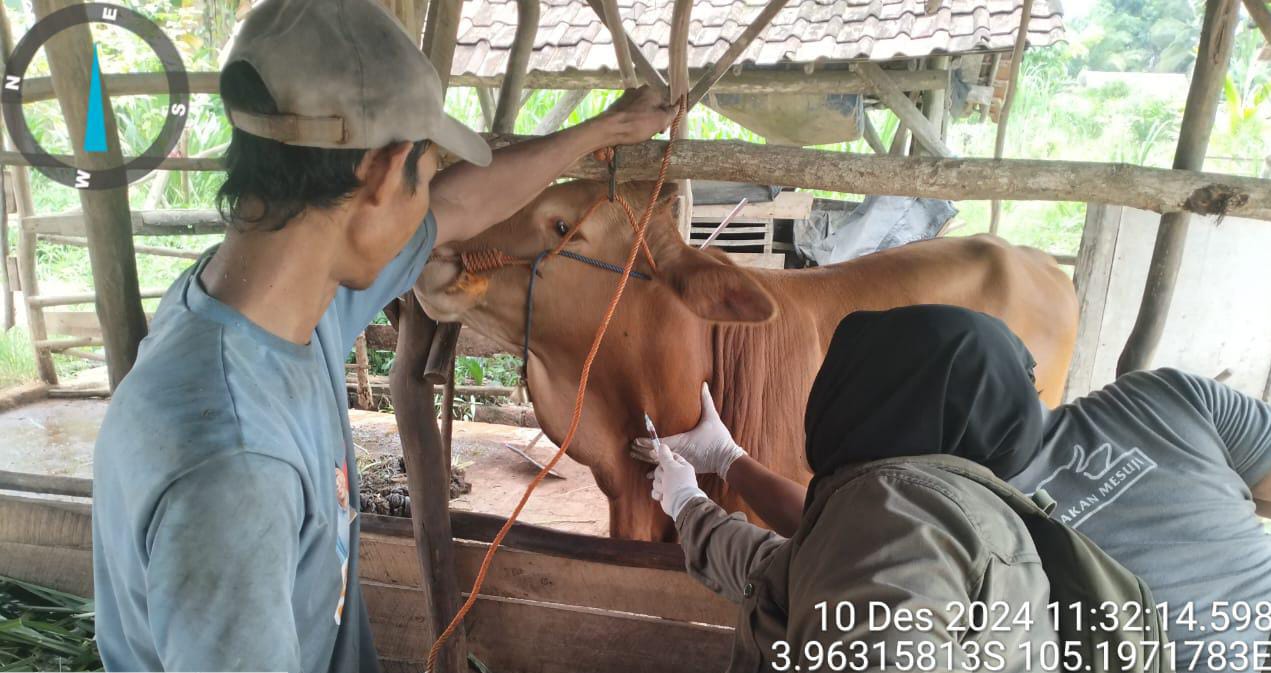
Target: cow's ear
{"x":716,"y":290}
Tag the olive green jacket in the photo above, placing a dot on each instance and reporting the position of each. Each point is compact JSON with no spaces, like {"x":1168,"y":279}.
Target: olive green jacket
{"x":887,"y":564}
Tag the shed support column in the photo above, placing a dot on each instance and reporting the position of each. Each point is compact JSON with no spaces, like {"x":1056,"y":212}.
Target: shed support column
{"x":106,"y":212}
{"x":518,"y":63}
{"x":1216,"y":37}
{"x":427,"y":478}
{"x":440,"y":33}
{"x":1017,"y":59}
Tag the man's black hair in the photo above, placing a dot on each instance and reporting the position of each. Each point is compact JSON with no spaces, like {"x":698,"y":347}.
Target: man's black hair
{"x":283,"y":180}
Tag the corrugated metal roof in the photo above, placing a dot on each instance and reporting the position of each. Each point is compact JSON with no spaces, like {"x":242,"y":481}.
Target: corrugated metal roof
{"x":571,"y":36}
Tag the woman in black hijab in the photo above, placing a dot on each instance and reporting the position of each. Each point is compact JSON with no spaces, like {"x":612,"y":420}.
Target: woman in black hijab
{"x":885,"y":535}
{"x":920,"y":380}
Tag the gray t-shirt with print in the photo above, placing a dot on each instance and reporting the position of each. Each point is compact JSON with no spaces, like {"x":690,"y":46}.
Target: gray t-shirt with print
{"x":1157,"y":469}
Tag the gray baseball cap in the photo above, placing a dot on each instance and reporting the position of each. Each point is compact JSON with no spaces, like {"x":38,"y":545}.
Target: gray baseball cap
{"x":344,"y":74}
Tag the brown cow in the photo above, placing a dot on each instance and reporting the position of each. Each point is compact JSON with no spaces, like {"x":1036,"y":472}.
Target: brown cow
{"x":758,"y":336}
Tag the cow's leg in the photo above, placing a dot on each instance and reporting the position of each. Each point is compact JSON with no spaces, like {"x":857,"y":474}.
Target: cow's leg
{"x":633,"y":514}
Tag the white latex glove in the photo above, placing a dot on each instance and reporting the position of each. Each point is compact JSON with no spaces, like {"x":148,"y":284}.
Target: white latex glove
{"x":674,"y":482}
{"x":709,"y":447}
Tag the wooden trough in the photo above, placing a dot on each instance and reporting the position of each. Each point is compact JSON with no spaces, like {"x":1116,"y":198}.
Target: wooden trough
{"x":552,"y":601}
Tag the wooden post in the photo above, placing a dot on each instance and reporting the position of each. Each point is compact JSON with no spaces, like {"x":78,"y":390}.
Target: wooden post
{"x":871,"y":135}
{"x":27,"y":277}
{"x":106,"y":212}
{"x":551,"y":122}
{"x":735,"y":50}
{"x":1210,"y":73}
{"x":899,"y":141}
{"x":1092,"y":278}
{"x":485,"y":98}
{"x":9,"y":318}
{"x":1261,"y":15}
{"x":612,"y":19}
{"x":362,"y":373}
{"x":1017,"y":59}
{"x":440,"y":33}
{"x":518,"y":63}
{"x":427,"y":477}
{"x":890,"y":94}
{"x":641,"y":63}
{"x":935,"y":102}
{"x":677,"y":73}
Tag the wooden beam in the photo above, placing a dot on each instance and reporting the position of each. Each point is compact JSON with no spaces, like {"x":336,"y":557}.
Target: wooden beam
{"x":747,"y":81}
{"x":173,"y":222}
{"x":427,"y":479}
{"x":551,"y":122}
{"x":612,"y":18}
{"x":518,"y":63}
{"x":643,"y":67}
{"x":1012,"y":83}
{"x":1261,"y":15}
{"x":440,"y":32}
{"x":899,"y":141}
{"x":895,"y":99}
{"x":1156,"y":189}
{"x":735,"y":50}
{"x":140,"y":249}
{"x":871,"y":135}
{"x":13,"y":158}
{"x":677,"y":72}
{"x":1217,"y":34}
{"x":106,"y":213}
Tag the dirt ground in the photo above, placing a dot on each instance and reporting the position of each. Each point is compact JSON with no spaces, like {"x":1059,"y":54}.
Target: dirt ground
{"x":55,"y":437}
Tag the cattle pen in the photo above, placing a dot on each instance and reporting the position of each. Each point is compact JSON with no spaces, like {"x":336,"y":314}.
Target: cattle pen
{"x":557,"y":601}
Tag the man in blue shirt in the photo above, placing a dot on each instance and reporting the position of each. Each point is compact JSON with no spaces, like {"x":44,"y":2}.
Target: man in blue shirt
{"x":225,"y":529}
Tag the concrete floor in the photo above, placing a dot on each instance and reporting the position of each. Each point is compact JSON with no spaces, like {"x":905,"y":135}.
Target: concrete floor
{"x":55,"y":437}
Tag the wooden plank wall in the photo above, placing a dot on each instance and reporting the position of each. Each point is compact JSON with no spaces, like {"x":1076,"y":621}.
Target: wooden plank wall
{"x":576,"y":605}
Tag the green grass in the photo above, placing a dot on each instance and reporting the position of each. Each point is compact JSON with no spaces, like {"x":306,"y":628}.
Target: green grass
{"x":45,"y":630}
{"x":17,"y":361}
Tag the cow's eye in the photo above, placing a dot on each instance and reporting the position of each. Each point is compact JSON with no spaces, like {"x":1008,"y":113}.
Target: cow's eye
{"x":561,"y":227}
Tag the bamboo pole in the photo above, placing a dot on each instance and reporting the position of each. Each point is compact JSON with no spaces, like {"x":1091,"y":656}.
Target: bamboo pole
{"x":518,"y":62}
{"x":734,"y":52}
{"x":1217,"y":35}
{"x":106,"y":212}
{"x":427,"y":479}
{"x":1157,"y":189}
{"x":1012,"y":83}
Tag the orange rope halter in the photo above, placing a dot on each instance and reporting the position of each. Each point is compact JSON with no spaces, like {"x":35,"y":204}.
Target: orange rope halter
{"x":636,"y":246}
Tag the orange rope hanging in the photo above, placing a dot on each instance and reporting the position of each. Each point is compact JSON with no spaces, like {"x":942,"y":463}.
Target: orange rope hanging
{"x":681,"y":106}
